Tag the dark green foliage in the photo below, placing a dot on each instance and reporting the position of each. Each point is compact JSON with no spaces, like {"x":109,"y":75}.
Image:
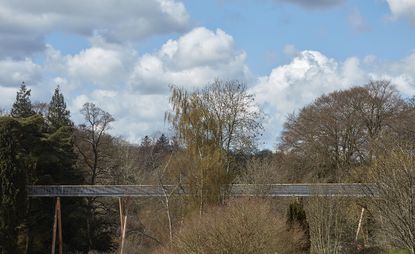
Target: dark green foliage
{"x":58,"y":115}
{"x":296,"y":217}
{"x":12,"y":186}
{"x":47,"y":156}
{"x":296,"y":214}
{"x":162,"y":143}
{"x":22,"y":107}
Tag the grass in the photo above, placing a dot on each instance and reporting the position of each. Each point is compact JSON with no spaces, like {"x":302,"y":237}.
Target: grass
{"x":394,"y":251}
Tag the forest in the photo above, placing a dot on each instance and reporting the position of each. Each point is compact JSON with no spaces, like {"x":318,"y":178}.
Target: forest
{"x":365,"y":134}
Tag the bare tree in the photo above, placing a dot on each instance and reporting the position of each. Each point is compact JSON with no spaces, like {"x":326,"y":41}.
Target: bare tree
{"x":41,"y":108}
{"x":337,"y":132}
{"x":90,"y":143}
{"x":91,"y":137}
{"x":332,"y":224}
{"x":393,"y":174}
{"x":242,"y":226}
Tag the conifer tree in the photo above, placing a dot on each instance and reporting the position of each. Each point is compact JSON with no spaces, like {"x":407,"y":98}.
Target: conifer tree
{"x":162,"y":143}
{"x":12,"y":187}
{"x":58,"y":115}
{"x":22,"y":107}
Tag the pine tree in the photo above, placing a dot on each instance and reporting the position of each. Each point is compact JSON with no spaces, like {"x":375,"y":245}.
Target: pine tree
{"x":162,"y":144}
{"x":12,"y":187}
{"x":58,"y":115}
{"x":22,"y":107}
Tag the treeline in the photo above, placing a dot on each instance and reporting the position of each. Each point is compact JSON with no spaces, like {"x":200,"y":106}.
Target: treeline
{"x":363,"y":134}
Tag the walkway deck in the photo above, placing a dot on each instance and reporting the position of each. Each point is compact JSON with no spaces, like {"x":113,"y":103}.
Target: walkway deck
{"x":270,"y":190}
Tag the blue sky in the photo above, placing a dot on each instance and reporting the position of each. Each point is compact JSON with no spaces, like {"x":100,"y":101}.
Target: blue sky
{"x":122,"y":55}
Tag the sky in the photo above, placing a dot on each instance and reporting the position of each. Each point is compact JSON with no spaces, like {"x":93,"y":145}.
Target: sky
{"x":123,"y":55}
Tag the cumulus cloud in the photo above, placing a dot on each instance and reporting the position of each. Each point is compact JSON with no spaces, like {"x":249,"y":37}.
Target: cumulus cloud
{"x":14,"y":72}
{"x":310,"y":74}
{"x":313,"y":4}
{"x":103,"y":64}
{"x":404,"y":9}
{"x":134,"y":87}
{"x":7,"y":97}
{"x":24,"y":24}
{"x":194,"y":59}
{"x":136,"y":115}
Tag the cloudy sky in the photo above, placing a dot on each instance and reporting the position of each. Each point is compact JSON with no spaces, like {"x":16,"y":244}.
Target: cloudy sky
{"x":122,"y":55}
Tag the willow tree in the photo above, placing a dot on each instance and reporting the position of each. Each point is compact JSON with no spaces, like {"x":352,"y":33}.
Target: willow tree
{"x":212,"y":124}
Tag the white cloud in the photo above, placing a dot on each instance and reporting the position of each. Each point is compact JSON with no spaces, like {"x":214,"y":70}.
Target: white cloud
{"x":310,"y":74}
{"x":194,"y":59}
{"x":14,"y":72}
{"x":133,"y":87}
{"x":24,"y":24}
{"x":136,"y":115}
{"x":103,"y":64}
{"x":7,"y":97}
{"x":403,"y":9}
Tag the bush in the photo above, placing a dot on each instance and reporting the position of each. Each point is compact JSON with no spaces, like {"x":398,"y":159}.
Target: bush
{"x":242,"y":226}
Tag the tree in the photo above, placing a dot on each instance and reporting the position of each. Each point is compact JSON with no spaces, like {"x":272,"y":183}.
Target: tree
{"x":92,"y":144}
{"x":92,"y":136}
{"x":58,"y":115}
{"x":338,"y":131}
{"x":12,"y":186}
{"x":22,"y":107}
{"x":212,"y":124}
{"x":393,"y":175}
{"x":162,"y":144}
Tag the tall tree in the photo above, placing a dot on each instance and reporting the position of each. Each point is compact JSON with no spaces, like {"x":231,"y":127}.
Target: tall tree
{"x":336,"y":133}
{"x":22,"y":107}
{"x":211,"y":124}
{"x":58,"y":115}
{"x":92,"y":144}
{"x":92,"y":137}
{"x":12,"y":186}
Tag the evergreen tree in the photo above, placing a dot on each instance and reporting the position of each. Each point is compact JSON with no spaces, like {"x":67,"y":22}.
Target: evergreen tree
{"x":146,"y":142}
{"x":22,"y":107}
{"x":12,"y":186}
{"x":162,"y":144}
{"x":58,"y":115}
{"x":296,"y":218}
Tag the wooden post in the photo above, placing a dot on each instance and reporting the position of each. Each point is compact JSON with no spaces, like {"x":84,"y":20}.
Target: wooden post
{"x":123,"y":234}
{"x":58,"y":204}
{"x":121,"y":215}
{"x":55,"y":222}
{"x":123,"y":221}
{"x":360,"y":223}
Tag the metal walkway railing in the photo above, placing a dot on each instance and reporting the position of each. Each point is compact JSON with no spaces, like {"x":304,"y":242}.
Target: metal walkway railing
{"x":271,"y":190}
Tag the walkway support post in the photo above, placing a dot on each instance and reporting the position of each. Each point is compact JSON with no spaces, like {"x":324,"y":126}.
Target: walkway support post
{"x":123,"y":204}
{"x":359,"y":226}
{"x":57,"y":225}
